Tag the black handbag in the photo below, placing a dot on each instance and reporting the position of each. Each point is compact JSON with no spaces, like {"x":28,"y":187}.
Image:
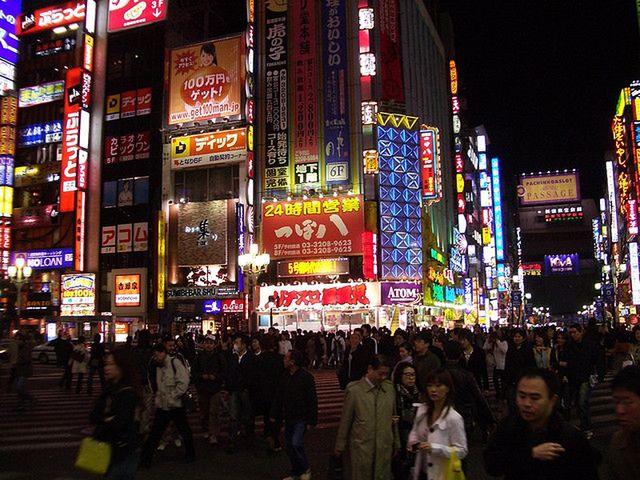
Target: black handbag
{"x":336,"y":471}
{"x":189,"y":401}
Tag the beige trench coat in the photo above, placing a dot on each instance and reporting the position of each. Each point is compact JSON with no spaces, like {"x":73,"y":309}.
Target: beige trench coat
{"x":367,"y":428}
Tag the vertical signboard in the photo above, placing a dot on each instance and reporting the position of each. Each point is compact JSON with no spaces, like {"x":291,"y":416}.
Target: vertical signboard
{"x":70,"y":140}
{"x":613,"y":202}
{"x":390,"y":51}
{"x":9,"y":10}
{"x":305,"y":89}
{"x":276,"y":91}
{"x":635,"y":273}
{"x":430,"y":156}
{"x":497,"y":208}
{"x":162,"y":260}
{"x":337,"y":146}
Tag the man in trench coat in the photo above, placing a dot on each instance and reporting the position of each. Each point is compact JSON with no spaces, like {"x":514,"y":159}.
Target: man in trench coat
{"x":368,"y":424}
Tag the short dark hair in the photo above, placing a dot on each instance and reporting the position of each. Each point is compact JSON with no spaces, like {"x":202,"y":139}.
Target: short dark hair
{"x":377,"y":361}
{"x":549,"y":378}
{"x":466,"y":335}
{"x":159,"y":347}
{"x":297,"y":358}
{"x":402,"y":366}
{"x":407,"y":346}
{"x":452,"y":350}
{"x":577,"y":326}
{"x":425,"y":336}
{"x":518,"y":331}
{"x":627,"y":379}
{"x":367,"y":327}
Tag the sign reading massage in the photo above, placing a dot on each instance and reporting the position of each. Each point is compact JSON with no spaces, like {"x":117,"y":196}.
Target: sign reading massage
{"x":551,"y":188}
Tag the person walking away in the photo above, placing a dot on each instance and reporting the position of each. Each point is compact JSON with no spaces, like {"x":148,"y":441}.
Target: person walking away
{"x":172,"y":378}
{"x":63,"y":349}
{"x":583,"y":357}
{"x":284,"y":345}
{"x":519,"y":358}
{"x":473,"y":359}
{"x":536,"y":443}
{"x":624,"y":449}
{"x":238,"y":377}
{"x":368,"y":342}
{"x":541,"y":352}
{"x":114,"y":414}
{"x":404,"y":356}
{"x":296,"y":403}
{"x":497,"y":345}
{"x":424,"y":360}
{"x":79,"y":361}
{"x":339,"y":347}
{"x":438,"y":430}
{"x":96,"y":362}
{"x":559,"y":365}
{"x":407,"y":395}
{"x":367,"y":424}
{"x":143,"y":360}
{"x":208,"y":375}
{"x":267,"y":372}
{"x":355,"y":362}
{"x":23,"y":370}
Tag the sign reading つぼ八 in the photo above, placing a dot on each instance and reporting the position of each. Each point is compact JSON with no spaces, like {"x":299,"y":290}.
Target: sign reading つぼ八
{"x":78,"y":295}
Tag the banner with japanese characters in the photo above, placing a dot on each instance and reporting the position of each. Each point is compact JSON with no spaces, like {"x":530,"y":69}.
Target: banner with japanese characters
{"x":202,"y":233}
{"x":316,"y":227}
{"x":336,"y":97}
{"x":206,"y":81}
{"x":293,"y":297}
{"x":276,"y":93}
{"x":224,"y":146}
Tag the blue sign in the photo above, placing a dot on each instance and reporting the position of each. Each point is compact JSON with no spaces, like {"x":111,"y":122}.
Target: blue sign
{"x":39,"y":133}
{"x":212,"y":306}
{"x":497,"y":208}
{"x":6,"y":170}
{"x":49,"y":259}
{"x":562,"y":264}
{"x":516,"y":298}
{"x":336,"y":99}
{"x":9,"y":11}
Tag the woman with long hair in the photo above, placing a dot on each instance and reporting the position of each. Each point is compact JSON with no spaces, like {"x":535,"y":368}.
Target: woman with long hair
{"x":438,"y":430}
{"x":407,"y":395}
{"x":541,"y":352}
{"x":114,"y":414}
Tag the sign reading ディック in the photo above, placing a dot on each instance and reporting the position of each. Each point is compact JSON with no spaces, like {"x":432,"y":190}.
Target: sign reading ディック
{"x":317,"y":227}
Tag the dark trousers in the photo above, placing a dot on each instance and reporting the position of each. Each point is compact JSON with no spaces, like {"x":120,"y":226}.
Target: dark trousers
{"x":498,"y":382}
{"x":241,"y":414}
{"x":294,"y":441}
{"x":92,"y":371}
{"x":179,"y":417}
{"x":79,"y":382}
{"x":65,"y":380}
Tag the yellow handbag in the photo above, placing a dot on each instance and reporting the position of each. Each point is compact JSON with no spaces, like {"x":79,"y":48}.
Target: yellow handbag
{"x":454,"y":468}
{"x":93,"y":456}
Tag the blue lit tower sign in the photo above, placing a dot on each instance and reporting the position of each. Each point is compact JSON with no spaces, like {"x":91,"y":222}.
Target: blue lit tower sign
{"x":400,"y":191}
{"x":497,"y":208}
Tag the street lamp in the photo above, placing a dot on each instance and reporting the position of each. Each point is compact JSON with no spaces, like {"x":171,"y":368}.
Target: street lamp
{"x":19,"y":274}
{"x":252,"y":265}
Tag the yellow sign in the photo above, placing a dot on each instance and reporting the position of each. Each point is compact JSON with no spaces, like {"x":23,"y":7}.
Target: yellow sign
{"x":486,"y":235}
{"x":453,"y":75}
{"x":370,"y":160}
{"x":162,"y":255}
{"x":552,"y":188}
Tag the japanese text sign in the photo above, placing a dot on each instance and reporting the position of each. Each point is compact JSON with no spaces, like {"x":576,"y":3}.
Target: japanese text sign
{"x":38,"y":94}
{"x":78,"y":295}
{"x":209,"y":148}
{"x":9,"y":11}
{"x":51,"y":17}
{"x":202,"y":233}
{"x":135,"y":13}
{"x":127,"y":290}
{"x":206,"y":81}
{"x":317,"y":227}
{"x":291,"y":297}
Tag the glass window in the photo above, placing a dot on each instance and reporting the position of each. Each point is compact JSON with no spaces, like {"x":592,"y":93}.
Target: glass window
{"x":141,"y":190}
{"x":109,"y":194}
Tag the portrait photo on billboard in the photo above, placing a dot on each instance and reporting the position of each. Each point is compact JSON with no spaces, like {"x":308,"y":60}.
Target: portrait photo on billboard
{"x":206,"y":81}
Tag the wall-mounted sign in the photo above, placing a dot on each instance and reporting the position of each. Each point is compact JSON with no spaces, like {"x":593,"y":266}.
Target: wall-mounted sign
{"x":39,"y":133}
{"x":430,"y":157}
{"x":51,"y":17}
{"x":202,"y":233}
{"x":562,"y":264}
{"x":212,"y":307}
{"x":127,"y":290}
{"x":208,"y":148}
{"x":215,"y":307}
{"x":635,"y":273}
{"x":39,"y":94}
{"x":532,"y":269}
{"x":305,"y":268}
{"x":201,"y":293}
{"x":53,"y":47}
{"x":48,"y":259}
{"x":9,"y":10}
{"x":29,"y":217}
{"x":401,"y":293}
{"x":313,"y":228}
{"x":344,"y":295}
{"x":206,"y":80}
{"x":552,"y":188}
{"x":78,"y":295}
{"x":135,"y":13}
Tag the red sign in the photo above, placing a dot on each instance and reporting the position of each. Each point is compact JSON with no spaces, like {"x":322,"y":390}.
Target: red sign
{"x":235,"y":305}
{"x":532,"y":269}
{"x":111,"y":151}
{"x":128,"y":104}
{"x":143,"y":101}
{"x":143,"y":145}
{"x":135,"y":13}
{"x":369,"y":247}
{"x":70,"y":139}
{"x":127,"y":147}
{"x":317,"y":227}
{"x":428,"y":156}
{"x":80,"y":231}
{"x":390,"y":50}
{"x":316,"y":296}
{"x":50,"y":17}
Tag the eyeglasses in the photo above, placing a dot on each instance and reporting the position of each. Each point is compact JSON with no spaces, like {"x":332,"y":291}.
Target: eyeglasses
{"x":408,"y":374}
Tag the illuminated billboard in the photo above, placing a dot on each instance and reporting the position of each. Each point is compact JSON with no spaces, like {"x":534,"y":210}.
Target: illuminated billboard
{"x":550,"y":188}
{"x":202,"y":233}
{"x":317,"y":227}
{"x":48,"y":18}
{"x":562,"y":264}
{"x":78,"y":295}
{"x":206,"y":81}
{"x":39,"y":94}
{"x":430,"y":157}
{"x":135,"y":13}
{"x":127,"y":290}
{"x":204,"y":149}
{"x":497,"y":208}
{"x":9,"y":11}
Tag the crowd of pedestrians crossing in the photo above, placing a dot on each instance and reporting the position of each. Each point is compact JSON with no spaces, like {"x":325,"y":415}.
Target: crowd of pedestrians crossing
{"x":415,"y":401}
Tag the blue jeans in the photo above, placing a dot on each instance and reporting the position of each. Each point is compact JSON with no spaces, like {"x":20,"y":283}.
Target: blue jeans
{"x":125,"y":469}
{"x":583,"y":395}
{"x":294,"y":441}
{"x":240,"y":413}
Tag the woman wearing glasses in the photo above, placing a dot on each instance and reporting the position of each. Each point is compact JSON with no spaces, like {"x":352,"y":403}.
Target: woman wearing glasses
{"x":407,"y":396}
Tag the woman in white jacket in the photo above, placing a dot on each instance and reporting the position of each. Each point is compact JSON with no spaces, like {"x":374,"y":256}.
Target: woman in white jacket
{"x":437,"y":430}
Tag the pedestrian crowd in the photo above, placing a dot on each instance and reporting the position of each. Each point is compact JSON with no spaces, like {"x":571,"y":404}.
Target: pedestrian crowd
{"x":415,"y":401}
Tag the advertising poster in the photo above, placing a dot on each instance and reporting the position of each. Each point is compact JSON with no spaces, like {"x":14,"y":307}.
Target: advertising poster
{"x":39,"y":94}
{"x":135,"y":13}
{"x":313,"y":228}
{"x":127,"y":290}
{"x":46,"y":259}
{"x":401,"y":293}
{"x":291,"y":297}
{"x":390,"y":51}
{"x":48,"y":18}
{"x":430,"y":156}
{"x":335,"y":86}
{"x":78,"y":294}
{"x":553,"y":188}
{"x":202,"y":233}
{"x":206,"y":81}
{"x":562,"y":264}
{"x":276,"y":93}
{"x":304,"y":69}
{"x":209,"y":148}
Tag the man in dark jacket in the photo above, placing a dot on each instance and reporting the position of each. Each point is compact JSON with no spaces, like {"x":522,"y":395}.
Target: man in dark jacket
{"x":96,"y":362}
{"x":239,"y":370}
{"x":519,"y":358}
{"x":424,"y":360}
{"x":297,"y":404}
{"x":536,"y":443}
{"x":582,"y":358}
{"x":63,"y":349}
{"x":356,"y":359}
{"x":473,"y":359}
{"x":208,"y":375}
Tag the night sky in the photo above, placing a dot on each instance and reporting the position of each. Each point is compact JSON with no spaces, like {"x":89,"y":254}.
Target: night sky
{"x":544,"y":78}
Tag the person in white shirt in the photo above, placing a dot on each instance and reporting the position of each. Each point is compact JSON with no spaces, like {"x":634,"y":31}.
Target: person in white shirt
{"x":496,"y":345}
{"x":438,"y":430}
{"x":284,"y":344}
